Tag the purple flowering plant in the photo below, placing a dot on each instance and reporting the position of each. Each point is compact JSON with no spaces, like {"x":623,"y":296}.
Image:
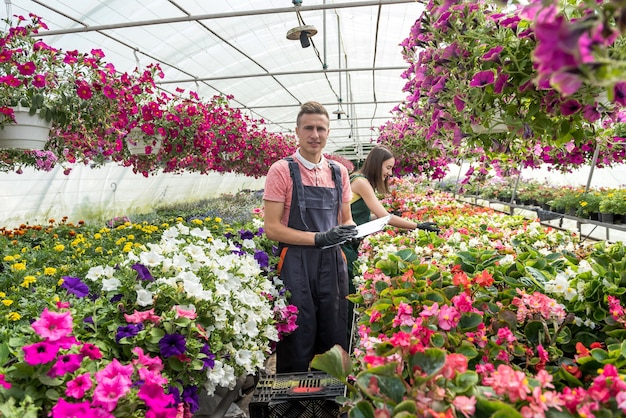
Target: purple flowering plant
{"x":518,"y":86}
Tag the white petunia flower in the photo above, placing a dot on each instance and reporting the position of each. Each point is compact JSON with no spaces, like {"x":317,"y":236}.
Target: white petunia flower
{"x":151,"y":259}
{"x":144,"y":297}
{"x":111,"y":285}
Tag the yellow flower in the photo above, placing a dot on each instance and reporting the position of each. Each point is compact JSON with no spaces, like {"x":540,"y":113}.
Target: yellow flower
{"x":60,"y":282}
{"x":130,"y":237}
{"x":583,"y":203}
{"x":218,"y":220}
{"x":98,"y":250}
{"x":14,"y":316}
{"x":9,"y":258}
{"x":49,"y":271}
{"x":127,"y":247}
{"x":59,"y":247}
{"x":7,"y":302}
{"x":28,"y":280}
{"x":97,"y":235}
{"x":120,"y":241}
{"x":2,"y":294}
{"x":196,"y":221}
{"x":179,"y":219}
{"x":19,"y":266}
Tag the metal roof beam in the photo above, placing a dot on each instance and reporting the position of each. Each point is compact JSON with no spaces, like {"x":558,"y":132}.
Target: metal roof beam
{"x":195,"y":18}
{"x":280,"y":73}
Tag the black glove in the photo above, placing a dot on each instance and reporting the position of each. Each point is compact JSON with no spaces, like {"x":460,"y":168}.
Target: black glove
{"x":335,"y":235}
{"x":428,"y":226}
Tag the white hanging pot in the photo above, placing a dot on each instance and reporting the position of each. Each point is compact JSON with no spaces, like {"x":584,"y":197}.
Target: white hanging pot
{"x":29,"y":131}
{"x":137,"y":141}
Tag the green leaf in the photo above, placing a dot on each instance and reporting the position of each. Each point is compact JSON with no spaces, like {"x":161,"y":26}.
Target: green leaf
{"x":336,"y":362}
{"x":535,"y":332}
{"x":362,"y":409}
{"x":430,"y":361}
{"x":155,"y":335}
{"x":405,"y":406}
{"x":490,"y":408}
{"x":465,"y":381}
{"x":469,"y":320}
{"x":390,"y":386}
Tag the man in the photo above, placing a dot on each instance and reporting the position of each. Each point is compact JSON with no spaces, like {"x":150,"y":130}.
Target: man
{"x":307,"y":210}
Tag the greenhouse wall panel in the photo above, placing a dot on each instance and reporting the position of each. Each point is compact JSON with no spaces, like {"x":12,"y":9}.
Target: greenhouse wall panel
{"x":102,"y":193}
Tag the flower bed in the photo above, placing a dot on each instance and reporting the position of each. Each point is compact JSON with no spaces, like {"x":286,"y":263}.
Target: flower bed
{"x":136,"y":319}
{"x":496,"y":316}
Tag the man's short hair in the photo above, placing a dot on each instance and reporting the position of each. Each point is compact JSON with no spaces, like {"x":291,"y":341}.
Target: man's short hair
{"x":311,"y":108}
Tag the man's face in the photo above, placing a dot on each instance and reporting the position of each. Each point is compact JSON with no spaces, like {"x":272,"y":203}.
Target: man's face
{"x":312,"y":133}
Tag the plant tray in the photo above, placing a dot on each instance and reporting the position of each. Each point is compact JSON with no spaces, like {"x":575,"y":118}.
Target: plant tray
{"x":296,"y":395}
{"x":546,"y":215}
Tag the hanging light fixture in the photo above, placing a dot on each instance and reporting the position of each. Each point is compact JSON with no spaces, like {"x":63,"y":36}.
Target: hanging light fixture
{"x":339,"y":112}
{"x":302,"y":33}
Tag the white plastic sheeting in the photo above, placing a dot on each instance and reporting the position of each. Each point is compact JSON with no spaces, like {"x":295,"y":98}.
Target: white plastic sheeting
{"x":100,"y":194}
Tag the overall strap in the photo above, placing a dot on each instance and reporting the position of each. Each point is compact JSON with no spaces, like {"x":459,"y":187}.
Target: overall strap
{"x":298,"y":187}
{"x":338,"y":185}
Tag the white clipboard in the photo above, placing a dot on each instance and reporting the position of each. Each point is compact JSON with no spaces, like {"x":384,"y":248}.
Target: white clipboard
{"x":371,"y":227}
{"x":367,"y":228}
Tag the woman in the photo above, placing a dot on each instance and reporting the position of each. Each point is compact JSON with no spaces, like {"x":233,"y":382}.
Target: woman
{"x":372,"y":178}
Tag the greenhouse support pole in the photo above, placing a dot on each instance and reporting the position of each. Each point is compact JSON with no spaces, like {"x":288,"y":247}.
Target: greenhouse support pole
{"x":515,"y":191}
{"x":458,"y":177}
{"x":594,"y":160}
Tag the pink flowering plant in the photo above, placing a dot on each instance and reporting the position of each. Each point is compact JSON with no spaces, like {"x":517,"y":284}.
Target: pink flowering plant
{"x":38,"y":77}
{"x":57,"y":374}
{"x":495,"y":316}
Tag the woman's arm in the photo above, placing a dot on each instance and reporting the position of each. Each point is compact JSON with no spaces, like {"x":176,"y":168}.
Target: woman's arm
{"x":363,"y":188}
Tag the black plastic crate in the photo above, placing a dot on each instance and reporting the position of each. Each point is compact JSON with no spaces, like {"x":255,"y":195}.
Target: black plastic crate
{"x":296,"y":395}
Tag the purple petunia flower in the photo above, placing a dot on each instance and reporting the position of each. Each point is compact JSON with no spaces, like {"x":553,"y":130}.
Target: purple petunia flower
{"x":570,"y":107}
{"x":128,"y":331}
{"x":209,"y":361}
{"x":245,"y":234}
{"x":620,"y":93}
{"x":565,"y":83}
{"x":172,"y":345}
{"x":262,"y":258}
{"x":482,"y":79}
{"x":190,"y":397}
{"x":493,"y":54}
{"x":142,"y":272}
{"x":75,"y":285}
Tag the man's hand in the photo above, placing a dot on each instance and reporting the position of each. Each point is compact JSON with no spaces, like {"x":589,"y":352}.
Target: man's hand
{"x":428,"y":226}
{"x":335,"y":235}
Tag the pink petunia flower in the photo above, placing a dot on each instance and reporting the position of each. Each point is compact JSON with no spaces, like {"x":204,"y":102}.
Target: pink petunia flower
{"x":67,"y":363}
{"x":4,"y":383}
{"x":53,"y":325}
{"x":77,"y":387}
{"x":91,"y":351}
{"x":109,"y":390}
{"x":64,"y":409}
{"x":40,"y":353}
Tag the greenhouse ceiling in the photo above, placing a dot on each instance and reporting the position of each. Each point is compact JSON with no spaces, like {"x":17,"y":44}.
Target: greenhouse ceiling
{"x":240,"y":48}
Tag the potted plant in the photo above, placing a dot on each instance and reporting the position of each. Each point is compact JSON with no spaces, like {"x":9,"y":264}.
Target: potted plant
{"x":40,"y":80}
{"x":613,"y":206}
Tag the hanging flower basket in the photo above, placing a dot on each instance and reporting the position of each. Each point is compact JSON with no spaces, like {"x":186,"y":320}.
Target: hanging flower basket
{"x":138,"y":143}
{"x":29,"y":131}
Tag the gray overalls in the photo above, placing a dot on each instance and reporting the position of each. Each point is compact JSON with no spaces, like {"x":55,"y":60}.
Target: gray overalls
{"x":317,"y":278}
